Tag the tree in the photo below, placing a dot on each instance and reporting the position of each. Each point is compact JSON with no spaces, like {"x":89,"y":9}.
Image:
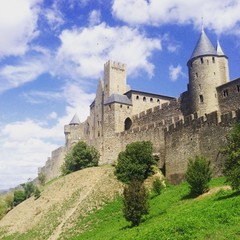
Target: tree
{"x":42,"y":178}
{"x":80,"y":157}
{"x":18,"y":197}
{"x":9,"y":199}
{"x":198,"y":175}
{"x":37,"y":193}
{"x":136,"y":162}
{"x":135,"y":201}
{"x":29,"y":189}
{"x":157,"y":186}
{"x":232,"y":163}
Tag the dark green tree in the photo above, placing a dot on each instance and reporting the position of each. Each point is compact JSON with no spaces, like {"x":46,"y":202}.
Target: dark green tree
{"x":232,"y":163}
{"x":18,"y":197}
{"x":136,"y":162}
{"x":157,"y":186}
{"x":42,"y":178}
{"x":37,"y":193}
{"x":29,"y":189}
{"x":80,"y":157}
{"x":135,"y":201}
{"x":198,"y":175}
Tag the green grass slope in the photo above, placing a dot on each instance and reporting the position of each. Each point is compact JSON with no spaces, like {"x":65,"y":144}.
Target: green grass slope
{"x":173,"y":215}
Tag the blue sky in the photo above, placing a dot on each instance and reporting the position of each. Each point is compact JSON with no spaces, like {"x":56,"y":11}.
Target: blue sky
{"x":52,"y":54}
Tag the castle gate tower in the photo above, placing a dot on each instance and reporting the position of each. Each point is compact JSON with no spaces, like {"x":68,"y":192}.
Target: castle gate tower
{"x":207,"y":68}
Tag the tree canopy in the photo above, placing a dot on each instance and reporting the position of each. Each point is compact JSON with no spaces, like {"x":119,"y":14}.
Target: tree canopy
{"x":136,"y":162}
{"x":80,"y":157}
{"x":232,"y":163}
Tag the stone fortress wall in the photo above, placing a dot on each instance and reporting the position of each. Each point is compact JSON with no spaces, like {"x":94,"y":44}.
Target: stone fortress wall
{"x":196,"y":123}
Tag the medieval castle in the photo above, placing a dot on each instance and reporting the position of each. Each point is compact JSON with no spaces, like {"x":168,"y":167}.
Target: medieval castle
{"x":196,"y":123}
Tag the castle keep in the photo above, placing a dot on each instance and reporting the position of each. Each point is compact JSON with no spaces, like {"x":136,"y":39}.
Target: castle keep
{"x":196,"y":123}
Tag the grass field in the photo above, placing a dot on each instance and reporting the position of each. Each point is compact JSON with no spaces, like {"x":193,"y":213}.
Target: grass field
{"x":173,"y":215}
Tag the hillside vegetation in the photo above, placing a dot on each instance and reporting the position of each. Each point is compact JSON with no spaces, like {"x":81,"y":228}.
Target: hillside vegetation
{"x":70,"y":208}
{"x":62,"y":203}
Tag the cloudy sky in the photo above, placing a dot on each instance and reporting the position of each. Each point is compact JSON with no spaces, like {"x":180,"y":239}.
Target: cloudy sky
{"x":52,"y":54}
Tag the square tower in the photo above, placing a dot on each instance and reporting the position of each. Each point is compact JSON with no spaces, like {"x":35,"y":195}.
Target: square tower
{"x":114,"y":78}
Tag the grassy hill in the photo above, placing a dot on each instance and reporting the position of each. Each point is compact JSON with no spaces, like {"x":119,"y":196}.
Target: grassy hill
{"x":173,"y":214}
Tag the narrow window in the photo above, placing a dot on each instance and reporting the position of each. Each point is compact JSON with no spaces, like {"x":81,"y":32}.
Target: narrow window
{"x":201,"y":60}
{"x":151,"y":100}
{"x":158,"y":100}
{"x":121,"y":106}
{"x":213,"y":59}
{"x":201,"y":98}
{"x":144,"y":99}
{"x":238,"y":88}
{"x":207,"y":62}
{"x":137,"y":97}
{"x":196,"y":74}
{"x":200,"y":86}
{"x":225,"y":92}
{"x":214,"y":73}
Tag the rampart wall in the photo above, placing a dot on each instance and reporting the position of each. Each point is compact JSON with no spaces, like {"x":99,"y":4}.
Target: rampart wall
{"x":197,"y":136}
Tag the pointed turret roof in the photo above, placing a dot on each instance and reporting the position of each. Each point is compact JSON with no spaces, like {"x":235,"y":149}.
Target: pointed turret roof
{"x":203,"y":47}
{"x":219,"y":49}
{"x":75,"y":120}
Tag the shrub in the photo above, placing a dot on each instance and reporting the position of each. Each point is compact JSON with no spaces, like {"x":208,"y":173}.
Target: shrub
{"x":136,"y":162}
{"x":135,"y":201}
{"x":18,"y":197}
{"x":80,"y":157}
{"x":37,"y":193}
{"x":232,"y":163}
{"x":157,"y":186}
{"x":42,"y":178}
{"x":28,"y":189}
{"x":9,"y":199}
{"x":198,"y":175}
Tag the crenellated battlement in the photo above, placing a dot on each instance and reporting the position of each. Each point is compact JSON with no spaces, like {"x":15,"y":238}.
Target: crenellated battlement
{"x":115,"y":65}
{"x":214,"y":118}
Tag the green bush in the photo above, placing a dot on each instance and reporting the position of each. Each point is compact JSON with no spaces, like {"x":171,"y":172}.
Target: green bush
{"x":135,"y":201}
{"x":37,"y":193}
{"x":232,"y":163}
{"x":80,"y":157}
{"x":198,"y":175}
{"x":42,"y":178}
{"x":157,"y":186}
{"x":136,"y":162}
{"x":18,"y":197}
{"x":29,"y":189}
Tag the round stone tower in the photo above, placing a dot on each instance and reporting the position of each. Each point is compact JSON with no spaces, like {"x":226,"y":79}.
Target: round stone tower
{"x":208,"y":68}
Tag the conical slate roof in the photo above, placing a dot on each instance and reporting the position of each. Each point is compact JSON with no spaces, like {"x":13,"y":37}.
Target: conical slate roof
{"x":219,"y":50}
{"x":75,"y":120}
{"x":203,"y":47}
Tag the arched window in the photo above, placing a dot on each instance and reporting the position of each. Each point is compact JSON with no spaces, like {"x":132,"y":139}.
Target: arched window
{"x":127,"y":124}
{"x":151,"y":100}
{"x":137,"y":97}
{"x":144,"y":99}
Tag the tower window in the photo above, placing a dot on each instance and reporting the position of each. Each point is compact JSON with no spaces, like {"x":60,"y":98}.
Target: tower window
{"x":158,"y":100}
{"x":213,"y":59}
{"x":225,"y":92}
{"x":207,"y":62}
{"x":201,"y":60}
{"x":151,"y":100}
{"x":121,"y":106}
{"x":238,"y":88}
{"x":201,"y":98}
{"x":196,"y":74}
{"x":144,"y":99}
{"x":214,"y":73}
{"x":137,"y":97}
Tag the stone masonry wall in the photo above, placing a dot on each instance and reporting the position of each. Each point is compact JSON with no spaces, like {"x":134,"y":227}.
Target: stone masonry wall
{"x":197,"y":136}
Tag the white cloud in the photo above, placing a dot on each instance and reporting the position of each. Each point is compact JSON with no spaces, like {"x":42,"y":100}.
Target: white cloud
{"x":18,"y":25}
{"x":175,"y":72}
{"x":52,"y":115}
{"x":94,"y":17}
{"x":54,"y":17}
{"x":12,"y":76}
{"x":218,"y":15}
{"x":84,"y":51}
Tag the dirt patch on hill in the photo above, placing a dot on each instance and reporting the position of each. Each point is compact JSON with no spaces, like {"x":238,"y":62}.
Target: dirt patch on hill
{"x":61,"y":203}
